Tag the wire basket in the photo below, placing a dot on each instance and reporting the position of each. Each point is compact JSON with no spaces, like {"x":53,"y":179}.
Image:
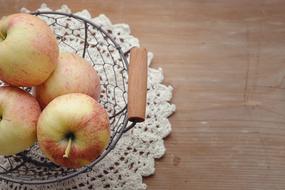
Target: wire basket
{"x":103,"y":52}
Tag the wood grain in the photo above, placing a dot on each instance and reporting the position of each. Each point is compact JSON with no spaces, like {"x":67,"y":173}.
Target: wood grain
{"x":226,"y":60}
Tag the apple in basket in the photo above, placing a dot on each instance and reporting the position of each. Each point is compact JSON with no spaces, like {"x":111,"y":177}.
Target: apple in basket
{"x":73,"y":74}
{"x":19,"y":112}
{"x":73,"y":130}
{"x":28,"y":50}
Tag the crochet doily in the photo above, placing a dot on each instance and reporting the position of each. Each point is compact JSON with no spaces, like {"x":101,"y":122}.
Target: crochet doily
{"x":134,"y":155}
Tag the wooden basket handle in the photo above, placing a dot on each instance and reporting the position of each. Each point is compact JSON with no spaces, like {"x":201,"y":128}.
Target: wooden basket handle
{"x":137,"y":84}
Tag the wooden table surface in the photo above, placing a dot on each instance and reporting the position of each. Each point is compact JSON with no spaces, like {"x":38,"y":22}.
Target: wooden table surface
{"x":226,"y":61}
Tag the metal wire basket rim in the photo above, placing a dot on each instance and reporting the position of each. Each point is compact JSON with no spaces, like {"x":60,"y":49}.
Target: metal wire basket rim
{"x":117,"y":46}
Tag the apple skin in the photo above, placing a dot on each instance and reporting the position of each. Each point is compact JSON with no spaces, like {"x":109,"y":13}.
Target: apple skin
{"x":19,"y":114}
{"x":77,"y":114}
{"x":29,"y":52}
{"x":73,"y":74}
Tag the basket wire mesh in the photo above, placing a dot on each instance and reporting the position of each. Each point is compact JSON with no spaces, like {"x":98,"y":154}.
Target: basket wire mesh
{"x":97,"y":46}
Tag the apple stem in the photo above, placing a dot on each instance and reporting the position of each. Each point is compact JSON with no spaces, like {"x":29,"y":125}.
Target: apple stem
{"x":2,"y":36}
{"x":68,"y":148}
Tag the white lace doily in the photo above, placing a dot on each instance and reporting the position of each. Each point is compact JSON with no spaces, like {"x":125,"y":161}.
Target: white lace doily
{"x":134,"y":155}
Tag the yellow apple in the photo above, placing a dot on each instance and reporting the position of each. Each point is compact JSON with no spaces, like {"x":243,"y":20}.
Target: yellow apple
{"x":19,"y":113}
{"x":28,"y":50}
{"x":73,"y":130}
{"x":73,"y":74}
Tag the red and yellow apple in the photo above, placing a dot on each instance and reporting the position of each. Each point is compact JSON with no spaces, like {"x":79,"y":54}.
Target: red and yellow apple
{"x":73,"y":74}
{"x":28,"y":50}
{"x":19,"y":112}
{"x":73,"y":130}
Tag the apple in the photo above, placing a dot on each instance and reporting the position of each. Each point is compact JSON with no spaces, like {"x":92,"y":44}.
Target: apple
{"x":19,"y":113}
{"x":73,"y":130}
{"x":28,"y":50}
{"x":73,"y":74}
